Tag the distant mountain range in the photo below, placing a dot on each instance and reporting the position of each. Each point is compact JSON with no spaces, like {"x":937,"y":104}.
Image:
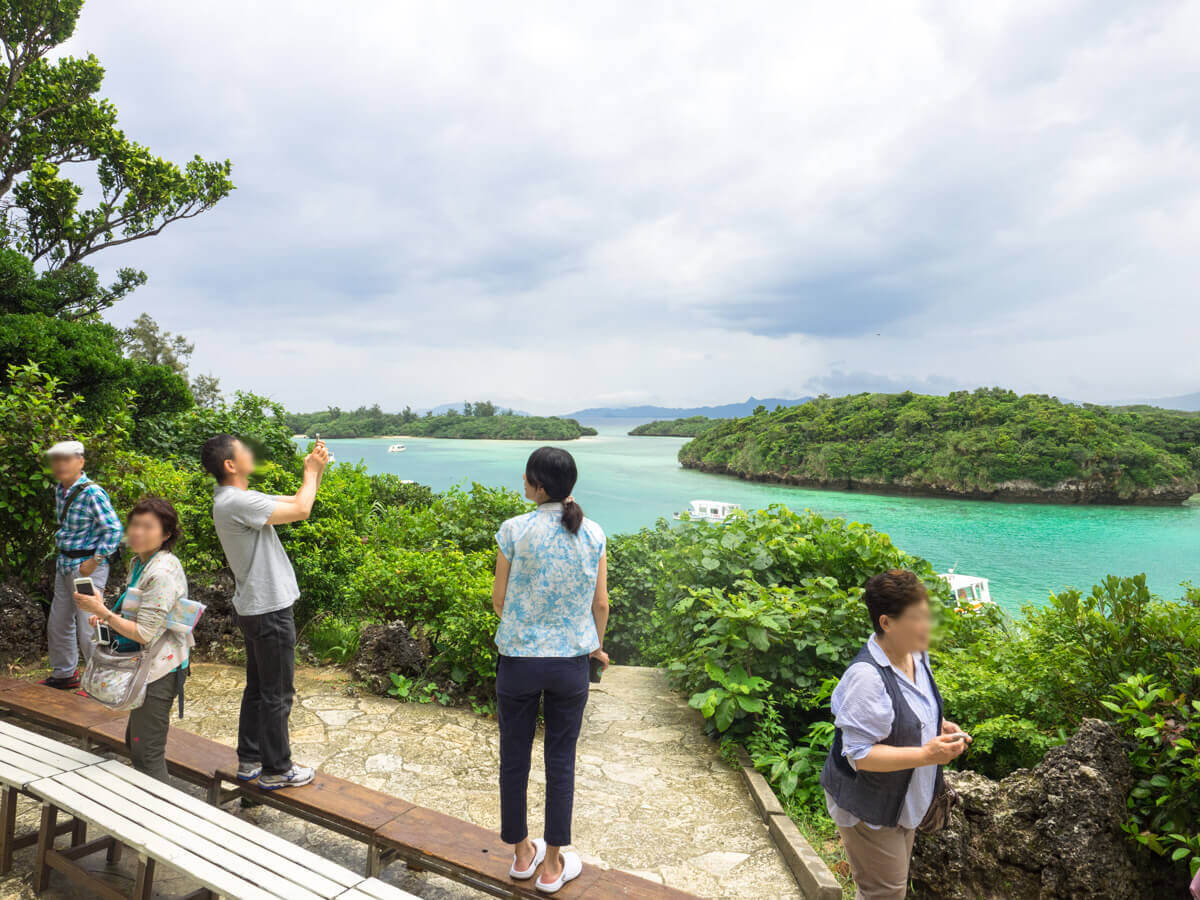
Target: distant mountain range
{"x":727,"y":411}
{"x":1189,"y":402}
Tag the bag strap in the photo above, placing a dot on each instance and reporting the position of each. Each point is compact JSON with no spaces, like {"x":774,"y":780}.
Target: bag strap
{"x":71,"y":495}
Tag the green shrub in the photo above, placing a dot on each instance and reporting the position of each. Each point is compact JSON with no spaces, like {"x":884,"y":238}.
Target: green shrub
{"x":1164,"y":724}
{"x":332,"y":639}
{"x":256,"y":420}
{"x":34,"y":413}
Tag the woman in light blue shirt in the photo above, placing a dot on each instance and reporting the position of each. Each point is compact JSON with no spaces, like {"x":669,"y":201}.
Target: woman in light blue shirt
{"x":551,"y":594}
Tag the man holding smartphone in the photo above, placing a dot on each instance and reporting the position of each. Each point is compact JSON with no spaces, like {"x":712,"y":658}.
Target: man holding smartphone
{"x":89,"y":532}
{"x":266,"y":591}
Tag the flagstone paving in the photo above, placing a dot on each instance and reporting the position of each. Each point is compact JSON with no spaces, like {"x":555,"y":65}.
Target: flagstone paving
{"x":652,"y":794}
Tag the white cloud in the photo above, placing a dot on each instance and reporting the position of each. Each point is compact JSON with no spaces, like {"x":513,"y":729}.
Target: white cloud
{"x":554,"y":205}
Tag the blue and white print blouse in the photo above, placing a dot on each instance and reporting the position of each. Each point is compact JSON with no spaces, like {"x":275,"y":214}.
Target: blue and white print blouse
{"x":551,"y":584}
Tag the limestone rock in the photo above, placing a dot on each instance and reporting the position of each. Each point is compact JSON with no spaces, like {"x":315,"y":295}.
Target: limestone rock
{"x":217,"y":632}
{"x":23,"y":636}
{"x":1047,"y":832}
{"x":384,"y":649}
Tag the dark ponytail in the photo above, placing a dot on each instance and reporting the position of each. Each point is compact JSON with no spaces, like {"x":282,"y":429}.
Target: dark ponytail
{"x":553,"y":470}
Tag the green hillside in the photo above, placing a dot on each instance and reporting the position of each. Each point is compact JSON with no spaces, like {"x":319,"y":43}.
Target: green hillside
{"x":985,"y":444}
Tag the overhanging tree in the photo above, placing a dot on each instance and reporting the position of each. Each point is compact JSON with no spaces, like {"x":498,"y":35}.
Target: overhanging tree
{"x":52,"y":122}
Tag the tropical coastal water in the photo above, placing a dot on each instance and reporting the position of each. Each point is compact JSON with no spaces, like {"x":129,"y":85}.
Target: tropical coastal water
{"x":1027,"y":550}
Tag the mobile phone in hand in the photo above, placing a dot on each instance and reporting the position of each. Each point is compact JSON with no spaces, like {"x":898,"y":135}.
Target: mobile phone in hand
{"x":85,"y":586}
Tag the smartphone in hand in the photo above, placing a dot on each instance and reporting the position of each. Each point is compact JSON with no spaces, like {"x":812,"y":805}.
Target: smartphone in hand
{"x":85,"y":586}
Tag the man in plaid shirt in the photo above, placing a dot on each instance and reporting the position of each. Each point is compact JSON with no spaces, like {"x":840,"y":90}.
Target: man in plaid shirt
{"x":89,"y":532}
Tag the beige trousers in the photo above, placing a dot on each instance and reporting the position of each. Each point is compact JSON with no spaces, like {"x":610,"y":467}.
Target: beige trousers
{"x":878,"y":860}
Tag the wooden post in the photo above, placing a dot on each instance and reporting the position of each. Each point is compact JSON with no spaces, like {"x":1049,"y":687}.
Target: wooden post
{"x":41,"y":871}
{"x":8,"y":828}
{"x":78,"y":832}
{"x":143,"y":887}
{"x":113,"y":855}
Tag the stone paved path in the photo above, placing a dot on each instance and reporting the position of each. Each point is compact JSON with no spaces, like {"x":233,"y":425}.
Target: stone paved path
{"x":653,"y":796}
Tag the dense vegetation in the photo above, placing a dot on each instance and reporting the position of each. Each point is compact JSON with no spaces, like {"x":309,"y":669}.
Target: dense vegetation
{"x":477,"y":420}
{"x":986,"y":443}
{"x":755,"y":620}
{"x":688,"y":427}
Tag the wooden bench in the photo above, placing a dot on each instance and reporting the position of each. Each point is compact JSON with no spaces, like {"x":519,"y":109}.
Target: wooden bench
{"x":477,"y":857}
{"x":63,"y":711}
{"x":26,"y":757}
{"x":392,"y":828}
{"x":227,"y":855}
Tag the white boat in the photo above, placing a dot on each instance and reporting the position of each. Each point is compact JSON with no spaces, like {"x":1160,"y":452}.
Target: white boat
{"x":708,"y":510}
{"x":970,"y":592}
{"x":397,"y":448}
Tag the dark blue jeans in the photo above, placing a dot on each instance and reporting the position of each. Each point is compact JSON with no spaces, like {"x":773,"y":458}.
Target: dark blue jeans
{"x":561,"y":683}
{"x":267,"y":699}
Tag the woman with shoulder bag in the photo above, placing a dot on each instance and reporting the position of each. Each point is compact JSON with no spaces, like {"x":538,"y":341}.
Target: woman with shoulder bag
{"x":883,"y":778}
{"x":157,"y":584}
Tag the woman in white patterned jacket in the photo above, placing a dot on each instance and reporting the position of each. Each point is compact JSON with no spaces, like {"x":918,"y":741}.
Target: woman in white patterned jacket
{"x":156,"y":578}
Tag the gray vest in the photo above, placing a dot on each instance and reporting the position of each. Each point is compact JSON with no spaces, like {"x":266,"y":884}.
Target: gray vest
{"x":876,"y":797}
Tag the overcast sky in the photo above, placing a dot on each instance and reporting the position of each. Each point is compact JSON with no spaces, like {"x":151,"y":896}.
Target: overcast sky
{"x":564,"y":205}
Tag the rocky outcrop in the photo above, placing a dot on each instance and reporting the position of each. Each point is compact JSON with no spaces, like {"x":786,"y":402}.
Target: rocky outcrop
{"x":217,"y":632}
{"x":384,"y":649}
{"x":23,"y":636}
{"x":1071,"y":491}
{"x":1051,"y":831}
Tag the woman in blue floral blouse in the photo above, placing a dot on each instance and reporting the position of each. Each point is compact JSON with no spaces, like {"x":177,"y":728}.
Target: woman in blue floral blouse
{"x":551,"y":594}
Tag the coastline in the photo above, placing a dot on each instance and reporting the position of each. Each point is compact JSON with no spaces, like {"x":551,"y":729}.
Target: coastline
{"x":1063,"y":494}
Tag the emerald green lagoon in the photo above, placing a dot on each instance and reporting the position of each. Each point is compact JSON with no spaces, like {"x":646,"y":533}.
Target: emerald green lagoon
{"x":1026,"y":550}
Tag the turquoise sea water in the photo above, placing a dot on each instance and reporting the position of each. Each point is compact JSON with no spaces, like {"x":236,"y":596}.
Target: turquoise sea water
{"x":1027,"y":550}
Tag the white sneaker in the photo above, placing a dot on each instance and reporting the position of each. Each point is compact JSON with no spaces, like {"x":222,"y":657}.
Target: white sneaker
{"x":294,"y":777}
{"x":572,"y":869}
{"x":538,"y":856}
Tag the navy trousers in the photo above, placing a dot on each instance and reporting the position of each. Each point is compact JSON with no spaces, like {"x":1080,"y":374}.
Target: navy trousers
{"x":561,"y":684}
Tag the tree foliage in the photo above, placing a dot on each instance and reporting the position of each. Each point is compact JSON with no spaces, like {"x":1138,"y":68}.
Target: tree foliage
{"x":51,"y":120}
{"x":685,"y":427}
{"x":477,"y":420}
{"x":983,"y":443}
{"x":35,"y":413}
{"x":86,"y":360}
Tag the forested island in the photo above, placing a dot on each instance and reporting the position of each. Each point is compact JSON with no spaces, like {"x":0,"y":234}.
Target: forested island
{"x":985,"y":444}
{"x":477,"y":420}
{"x":685,"y":427}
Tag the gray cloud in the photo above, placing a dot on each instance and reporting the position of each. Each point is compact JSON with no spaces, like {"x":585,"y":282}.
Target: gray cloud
{"x":454,"y":200}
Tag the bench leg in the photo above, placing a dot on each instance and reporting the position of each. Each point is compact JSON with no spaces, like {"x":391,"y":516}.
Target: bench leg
{"x":78,"y":832}
{"x":113,"y":854}
{"x":41,"y":871}
{"x":143,"y":887}
{"x":8,"y":827}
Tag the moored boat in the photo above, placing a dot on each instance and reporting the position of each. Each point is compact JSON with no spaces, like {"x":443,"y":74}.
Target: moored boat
{"x":397,"y":448}
{"x":970,"y":592}
{"x":708,"y":510}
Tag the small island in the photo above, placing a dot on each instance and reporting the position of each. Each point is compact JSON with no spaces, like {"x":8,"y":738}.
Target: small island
{"x":685,"y":427}
{"x":987,"y":444}
{"x":481,"y":420}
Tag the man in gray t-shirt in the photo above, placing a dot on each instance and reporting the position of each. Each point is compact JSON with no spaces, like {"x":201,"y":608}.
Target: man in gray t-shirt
{"x":266,"y":590}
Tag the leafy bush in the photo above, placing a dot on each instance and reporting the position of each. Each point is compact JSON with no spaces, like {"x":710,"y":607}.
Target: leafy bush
{"x":332,"y":639}
{"x":1164,"y":724}
{"x":1024,"y":684}
{"x":256,"y":420}
{"x":754,"y":618}
{"x":34,"y":413}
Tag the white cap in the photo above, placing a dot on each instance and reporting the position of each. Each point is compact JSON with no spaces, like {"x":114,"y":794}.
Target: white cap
{"x":66,"y":448}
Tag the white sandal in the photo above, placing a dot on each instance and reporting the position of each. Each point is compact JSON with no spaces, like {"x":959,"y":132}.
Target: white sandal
{"x":539,"y":855}
{"x":572,"y":869}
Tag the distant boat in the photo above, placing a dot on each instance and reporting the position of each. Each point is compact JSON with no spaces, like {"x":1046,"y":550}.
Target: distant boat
{"x":397,"y":448}
{"x":708,"y":510}
{"x":970,"y":592}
